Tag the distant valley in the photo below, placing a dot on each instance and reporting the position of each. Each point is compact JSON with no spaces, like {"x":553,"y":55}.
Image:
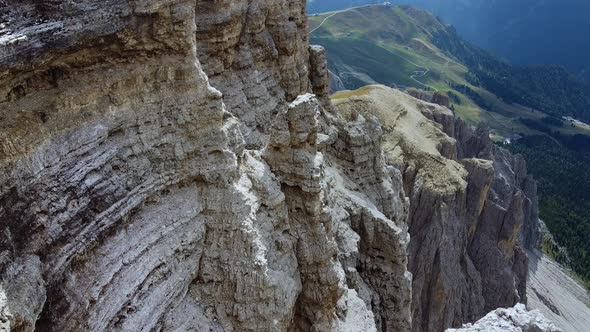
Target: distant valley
{"x":523,"y":32}
{"x":408,"y":47}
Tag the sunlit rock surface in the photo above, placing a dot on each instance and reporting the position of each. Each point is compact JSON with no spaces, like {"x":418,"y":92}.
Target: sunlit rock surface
{"x":516,"y":319}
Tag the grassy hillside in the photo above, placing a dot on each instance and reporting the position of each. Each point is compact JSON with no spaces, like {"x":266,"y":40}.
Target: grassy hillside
{"x":524,"y":32}
{"x":548,"y":88}
{"x":408,"y":47}
{"x":382,"y":44}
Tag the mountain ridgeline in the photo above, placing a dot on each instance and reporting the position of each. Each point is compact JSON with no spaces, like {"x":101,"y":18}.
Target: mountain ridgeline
{"x":440,"y":53}
{"x":550,"y":89}
{"x":523,"y":32}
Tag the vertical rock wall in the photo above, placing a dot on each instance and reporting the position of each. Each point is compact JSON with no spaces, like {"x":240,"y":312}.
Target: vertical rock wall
{"x":256,"y":53}
{"x":164,"y":167}
{"x":472,"y":208}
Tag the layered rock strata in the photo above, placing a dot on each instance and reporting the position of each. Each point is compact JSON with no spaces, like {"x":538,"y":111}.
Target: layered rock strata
{"x":164,"y":167}
{"x":177,"y":165}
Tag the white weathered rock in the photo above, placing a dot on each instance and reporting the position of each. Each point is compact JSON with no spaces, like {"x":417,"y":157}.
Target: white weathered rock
{"x":5,"y":315}
{"x":516,"y":319}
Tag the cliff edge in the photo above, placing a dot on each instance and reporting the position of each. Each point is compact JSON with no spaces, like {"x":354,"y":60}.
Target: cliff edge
{"x":178,"y":165}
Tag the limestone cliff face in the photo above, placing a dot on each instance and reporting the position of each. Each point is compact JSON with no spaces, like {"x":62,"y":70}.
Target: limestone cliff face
{"x":469,"y":202}
{"x":163,"y":166}
{"x":256,"y":53}
{"x":177,"y":165}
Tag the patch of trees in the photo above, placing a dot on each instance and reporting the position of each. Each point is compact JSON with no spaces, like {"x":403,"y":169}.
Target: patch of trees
{"x":579,"y":143}
{"x":473,"y":95}
{"x":536,"y":125}
{"x":552,"y":121}
{"x":547,"y":88}
{"x":563,"y":176}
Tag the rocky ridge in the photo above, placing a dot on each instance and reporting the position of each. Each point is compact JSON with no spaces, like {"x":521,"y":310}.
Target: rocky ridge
{"x":178,"y":165}
{"x":472,"y":207}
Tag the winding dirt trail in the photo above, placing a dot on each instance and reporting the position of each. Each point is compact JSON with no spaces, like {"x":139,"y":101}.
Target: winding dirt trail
{"x":420,"y":73}
{"x":417,"y":73}
{"x":324,"y":21}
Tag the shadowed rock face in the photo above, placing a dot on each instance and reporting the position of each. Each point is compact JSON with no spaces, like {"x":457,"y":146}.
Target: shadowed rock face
{"x":469,"y":204}
{"x":164,"y":166}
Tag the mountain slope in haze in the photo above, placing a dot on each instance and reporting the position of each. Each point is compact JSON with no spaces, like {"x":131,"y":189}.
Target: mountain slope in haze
{"x":406,"y":46}
{"x":523,"y":32}
{"x":547,"y":88}
{"x":322,"y":6}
